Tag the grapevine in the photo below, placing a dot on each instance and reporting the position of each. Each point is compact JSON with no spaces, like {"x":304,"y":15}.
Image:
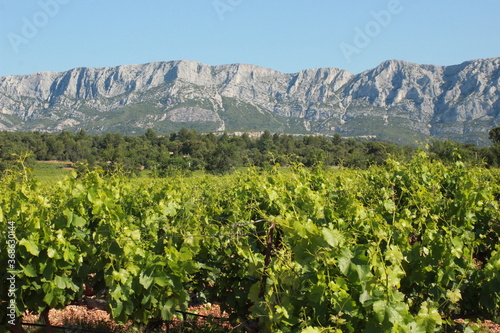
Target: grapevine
{"x":400,"y":247}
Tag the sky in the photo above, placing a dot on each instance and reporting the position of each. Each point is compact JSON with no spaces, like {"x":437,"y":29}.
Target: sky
{"x":288,"y":36}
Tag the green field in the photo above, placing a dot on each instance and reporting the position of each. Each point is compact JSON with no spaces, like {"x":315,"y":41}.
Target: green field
{"x":53,"y":171}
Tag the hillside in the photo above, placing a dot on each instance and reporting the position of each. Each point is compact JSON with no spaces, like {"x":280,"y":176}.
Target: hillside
{"x":396,"y":101}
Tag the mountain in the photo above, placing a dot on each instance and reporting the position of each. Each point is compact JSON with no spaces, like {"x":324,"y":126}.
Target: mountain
{"x":397,"y":101}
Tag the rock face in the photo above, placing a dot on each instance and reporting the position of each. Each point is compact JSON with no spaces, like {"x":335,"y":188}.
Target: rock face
{"x":396,"y":101}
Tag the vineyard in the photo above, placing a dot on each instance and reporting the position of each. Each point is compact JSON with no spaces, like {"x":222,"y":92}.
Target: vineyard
{"x":404,"y":247}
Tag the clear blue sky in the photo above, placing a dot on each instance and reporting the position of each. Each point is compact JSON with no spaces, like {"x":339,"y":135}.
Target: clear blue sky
{"x":57,"y":35}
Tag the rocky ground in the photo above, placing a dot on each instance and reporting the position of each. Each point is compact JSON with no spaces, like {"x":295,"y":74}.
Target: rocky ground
{"x":83,"y":316}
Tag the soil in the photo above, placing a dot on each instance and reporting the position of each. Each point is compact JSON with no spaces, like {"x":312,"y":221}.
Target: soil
{"x":82,"y":316}
{"x":486,"y":326}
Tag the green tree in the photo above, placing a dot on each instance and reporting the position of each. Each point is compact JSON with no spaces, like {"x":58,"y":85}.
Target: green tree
{"x":222,"y":159}
{"x":265,"y":142}
{"x":495,"y":135}
{"x":151,"y":135}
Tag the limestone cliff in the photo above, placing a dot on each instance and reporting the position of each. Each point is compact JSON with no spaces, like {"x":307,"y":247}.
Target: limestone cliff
{"x":396,"y":101}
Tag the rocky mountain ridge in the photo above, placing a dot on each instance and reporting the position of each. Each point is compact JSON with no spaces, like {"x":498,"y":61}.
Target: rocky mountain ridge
{"x":397,"y":101}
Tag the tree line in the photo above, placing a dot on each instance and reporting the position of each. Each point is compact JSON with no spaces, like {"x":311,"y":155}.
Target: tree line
{"x":190,"y":150}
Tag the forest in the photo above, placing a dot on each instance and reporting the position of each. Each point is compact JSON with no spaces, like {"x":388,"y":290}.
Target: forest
{"x":188,"y":150}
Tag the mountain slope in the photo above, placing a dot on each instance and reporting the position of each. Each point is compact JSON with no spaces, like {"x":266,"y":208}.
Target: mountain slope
{"x":397,"y":101}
